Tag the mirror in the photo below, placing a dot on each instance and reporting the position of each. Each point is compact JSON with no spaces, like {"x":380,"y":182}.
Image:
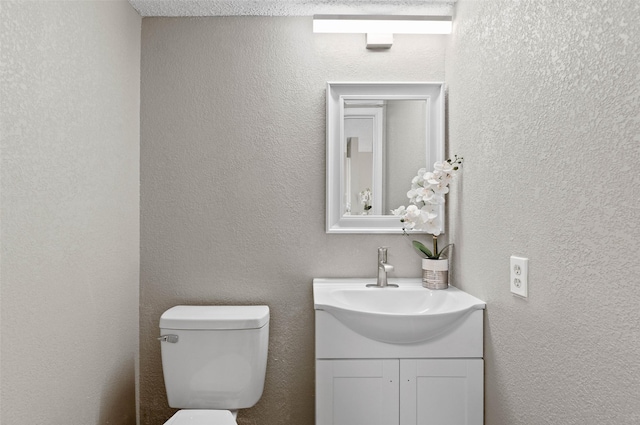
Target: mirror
{"x":378,"y":136}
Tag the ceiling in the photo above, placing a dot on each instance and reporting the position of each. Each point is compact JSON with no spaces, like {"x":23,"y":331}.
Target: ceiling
{"x":291,"y":7}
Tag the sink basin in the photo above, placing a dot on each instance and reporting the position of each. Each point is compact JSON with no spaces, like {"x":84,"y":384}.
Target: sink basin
{"x":407,"y":314}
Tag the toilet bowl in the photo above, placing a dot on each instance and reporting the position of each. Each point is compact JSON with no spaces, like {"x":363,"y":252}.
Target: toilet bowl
{"x":202,"y":417}
{"x":214,"y":361}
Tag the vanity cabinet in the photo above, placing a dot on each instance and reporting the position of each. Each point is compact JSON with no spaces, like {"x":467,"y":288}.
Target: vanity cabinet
{"x":376,"y":366}
{"x":357,"y":392}
{"x":399,"y":392}
{"x":441,"y":391}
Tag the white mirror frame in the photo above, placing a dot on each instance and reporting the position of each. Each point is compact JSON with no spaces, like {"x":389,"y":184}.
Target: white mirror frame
{"x":337,"y":93}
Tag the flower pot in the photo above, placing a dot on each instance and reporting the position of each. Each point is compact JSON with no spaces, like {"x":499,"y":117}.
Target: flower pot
{"x":435,"y":273}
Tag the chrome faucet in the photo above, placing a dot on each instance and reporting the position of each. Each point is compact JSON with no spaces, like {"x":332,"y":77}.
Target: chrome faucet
{"x":383,"y":268}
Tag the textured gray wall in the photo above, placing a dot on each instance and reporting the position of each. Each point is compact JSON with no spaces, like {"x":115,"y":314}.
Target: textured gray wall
{"x":544,"y":106}
{"x":69,"y":104}
{"x":233,"y":183}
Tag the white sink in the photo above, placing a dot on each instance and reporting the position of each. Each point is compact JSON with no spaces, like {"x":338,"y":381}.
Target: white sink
{"x":403,"y":315}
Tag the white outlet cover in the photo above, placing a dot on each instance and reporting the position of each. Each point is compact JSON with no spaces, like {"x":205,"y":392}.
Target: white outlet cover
{"x":519,"y":276}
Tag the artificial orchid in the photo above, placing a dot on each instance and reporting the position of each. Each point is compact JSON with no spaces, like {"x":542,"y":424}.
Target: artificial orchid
{"x":365,"y":199}
{"x":426,"y":194}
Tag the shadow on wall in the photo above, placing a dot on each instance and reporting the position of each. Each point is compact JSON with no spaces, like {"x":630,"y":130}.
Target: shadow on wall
{"x":118,"y":405}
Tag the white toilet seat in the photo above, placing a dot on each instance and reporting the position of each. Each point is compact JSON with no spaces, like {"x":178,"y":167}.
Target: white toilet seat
{"x":202,"y":417}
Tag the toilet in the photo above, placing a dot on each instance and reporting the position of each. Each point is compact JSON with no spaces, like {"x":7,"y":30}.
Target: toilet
{"x":214,"y":360}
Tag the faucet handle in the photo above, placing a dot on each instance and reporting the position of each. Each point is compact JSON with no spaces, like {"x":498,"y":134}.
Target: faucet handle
{"x":382,"y":253}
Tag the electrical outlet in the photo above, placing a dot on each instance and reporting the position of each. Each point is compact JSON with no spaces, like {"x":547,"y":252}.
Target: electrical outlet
{"x":519,"y":276}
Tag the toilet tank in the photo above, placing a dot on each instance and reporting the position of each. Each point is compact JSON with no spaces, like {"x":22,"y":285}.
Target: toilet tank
{"x":214,"y":357}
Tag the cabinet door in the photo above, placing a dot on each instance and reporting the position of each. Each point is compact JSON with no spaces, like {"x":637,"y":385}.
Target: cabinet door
{"x":442,"y":392}
{"x":357,"y":392}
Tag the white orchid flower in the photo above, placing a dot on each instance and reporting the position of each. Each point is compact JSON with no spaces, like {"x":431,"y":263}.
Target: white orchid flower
{"x":433,"y":227}
{"x":429,"y":208}
{"x":436,"y":199}
{"x":428,"y":213}
{"x":431,"y":198}
{"x":413,"y":210}
{"x":440,"y":189}
{"x":432,"y":178}
{"x":444,"y":166}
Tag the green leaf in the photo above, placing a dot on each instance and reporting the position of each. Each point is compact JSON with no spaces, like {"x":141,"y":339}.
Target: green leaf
{"x":422,"y":250}
{"x":439,"y":254}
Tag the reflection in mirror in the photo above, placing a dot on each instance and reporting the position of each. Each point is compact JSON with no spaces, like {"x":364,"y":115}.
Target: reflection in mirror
{"x":384,"y":144}
{"x":363,"y":124}
{"x":378,"y":136}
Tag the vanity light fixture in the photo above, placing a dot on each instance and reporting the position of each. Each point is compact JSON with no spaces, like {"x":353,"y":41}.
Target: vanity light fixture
{"x":380,"y":29}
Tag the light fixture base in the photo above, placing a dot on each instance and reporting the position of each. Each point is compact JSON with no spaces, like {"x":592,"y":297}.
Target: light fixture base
{"x":379,"y":41}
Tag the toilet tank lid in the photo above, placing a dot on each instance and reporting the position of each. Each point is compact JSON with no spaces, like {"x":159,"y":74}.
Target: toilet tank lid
{"x":211,"y":317}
